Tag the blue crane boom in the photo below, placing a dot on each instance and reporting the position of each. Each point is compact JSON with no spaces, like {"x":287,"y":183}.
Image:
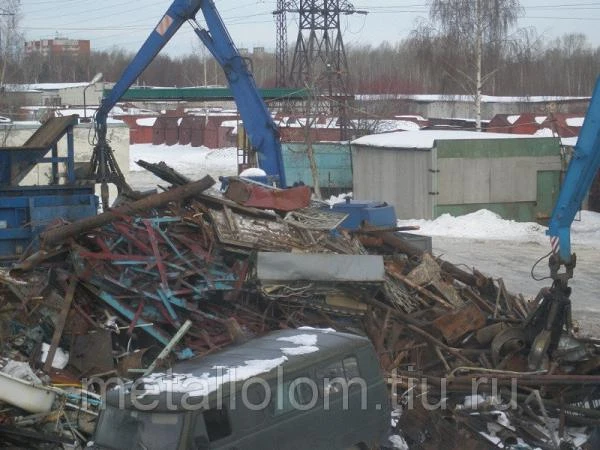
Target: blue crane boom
{"x":258,"y":123}
{"x":578,"y":179}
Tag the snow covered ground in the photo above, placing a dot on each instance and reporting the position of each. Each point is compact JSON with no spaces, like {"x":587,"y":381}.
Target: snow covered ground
{"x":497,"y":247}
{"x":193,"y":162}
{"x":509,"y":250}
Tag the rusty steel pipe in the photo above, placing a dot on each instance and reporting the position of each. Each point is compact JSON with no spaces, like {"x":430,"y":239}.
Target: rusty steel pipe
{"x":54,"y":236}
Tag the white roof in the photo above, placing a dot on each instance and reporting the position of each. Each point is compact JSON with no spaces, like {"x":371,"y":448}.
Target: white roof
{"x":466,"y":98}
{"x":43,"y":86}
{"x":145,"y":121}
{"x":425,"y":139}
{"x":575,"y":121}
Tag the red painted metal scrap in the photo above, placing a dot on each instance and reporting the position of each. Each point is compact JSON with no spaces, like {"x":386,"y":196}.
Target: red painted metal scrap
{"x":265,"y":197}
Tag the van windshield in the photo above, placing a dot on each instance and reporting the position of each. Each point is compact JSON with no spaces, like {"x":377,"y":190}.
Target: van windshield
{"x":131,"y":429}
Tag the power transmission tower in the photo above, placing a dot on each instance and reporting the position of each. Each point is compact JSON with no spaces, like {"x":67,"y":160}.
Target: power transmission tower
{"x":319,"y":54}
{"x":319,"y":62}
{"x":281,"y":46}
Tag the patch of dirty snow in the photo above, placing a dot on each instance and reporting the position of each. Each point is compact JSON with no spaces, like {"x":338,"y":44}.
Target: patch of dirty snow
{"x":302,"y":350}
{"x":306,"y":344}
{"x":398,"y":442}
{"x":300,"y":339}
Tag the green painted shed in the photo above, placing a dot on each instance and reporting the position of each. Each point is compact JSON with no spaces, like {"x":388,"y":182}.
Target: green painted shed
{"x":333,"y":160}
{"x":427,"y":173}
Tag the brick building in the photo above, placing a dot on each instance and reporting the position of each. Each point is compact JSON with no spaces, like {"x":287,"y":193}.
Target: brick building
{"x":59,"y":46}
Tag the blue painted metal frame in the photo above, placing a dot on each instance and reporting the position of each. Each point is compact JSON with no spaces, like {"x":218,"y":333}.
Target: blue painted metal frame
{"x":26,"y":210}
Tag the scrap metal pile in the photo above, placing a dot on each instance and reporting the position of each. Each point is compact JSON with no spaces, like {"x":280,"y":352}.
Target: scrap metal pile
{"x":194,"y":272}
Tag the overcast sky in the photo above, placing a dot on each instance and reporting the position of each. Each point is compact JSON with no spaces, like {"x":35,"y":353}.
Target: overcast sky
{"x":109,"y":23}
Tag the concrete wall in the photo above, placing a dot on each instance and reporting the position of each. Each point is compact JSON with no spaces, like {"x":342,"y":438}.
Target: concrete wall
{"x":118,"y":135}
{"x":401,"y":178}
{"x":74,"y":95}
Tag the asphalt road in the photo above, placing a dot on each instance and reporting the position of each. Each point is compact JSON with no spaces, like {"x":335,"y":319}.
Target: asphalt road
{"x":513,"y":262}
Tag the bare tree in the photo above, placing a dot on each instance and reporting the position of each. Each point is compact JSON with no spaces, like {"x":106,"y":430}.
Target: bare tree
{"x":470,"y":27}
{"x":10,"y":37}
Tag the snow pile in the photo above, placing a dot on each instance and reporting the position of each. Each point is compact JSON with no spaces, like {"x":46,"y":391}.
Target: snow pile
{"x":484,"y":224}
{"x":186,"y":159}
{"x":586,"y":229}
{"x":253,"y":172}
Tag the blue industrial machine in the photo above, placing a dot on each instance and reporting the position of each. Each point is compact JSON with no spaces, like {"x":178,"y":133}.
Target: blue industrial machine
{"x":259,"y":124}
{"x":551,"y":318}
{"x":365,"y":212}
{"x":26,"y":210}
{"x":578,"y":179}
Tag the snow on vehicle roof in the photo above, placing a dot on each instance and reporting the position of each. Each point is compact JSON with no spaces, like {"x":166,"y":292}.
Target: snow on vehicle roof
{"x":258,"y":356}
{"x":425,"y":139}
{"x":239,"y":363}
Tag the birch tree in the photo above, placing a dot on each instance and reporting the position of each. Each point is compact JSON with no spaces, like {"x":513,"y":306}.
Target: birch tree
{"x":471,"y":28}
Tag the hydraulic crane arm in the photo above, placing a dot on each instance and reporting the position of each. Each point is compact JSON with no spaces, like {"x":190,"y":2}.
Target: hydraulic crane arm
{"x":580,"y":174}
{"x":551,"y":318}
{"x":176,"y":15}
{"x":258,"y":122}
